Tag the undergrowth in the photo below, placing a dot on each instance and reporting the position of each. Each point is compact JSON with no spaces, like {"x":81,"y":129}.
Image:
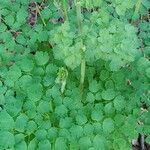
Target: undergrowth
{"x":74,"y":75}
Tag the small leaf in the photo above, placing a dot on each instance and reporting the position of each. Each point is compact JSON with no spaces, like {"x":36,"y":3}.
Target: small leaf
{"x":33,"y":144}
{"x":148,"y":72}
{"x":97,"y":115}
{"x":41,"y":134}
{"x":44,"y":107}
{"x":35,"y":92}
{"x":3,"y":27}
{"x":6,"y":121}
{"x":26,"y":64}
{"x":52,"y":133}
{"x":31,"y":127}
{"x":99,"y":142}
{"x":81,"y":119}
{"x":60,"y":144}
{"x":108,"y":94}
{"x":7,"y":140}
{"x":21,"y":146}
{"x":44,"y":145}
{"x":65,"y":122}
{"x":119,"y":103}
{"x":108,"y":125}
{"x":21,"y":122}
{"x":90,"y":97}
{"x":93,"y":86}
{"x":85,"y":143}
{"x":41,"y":58}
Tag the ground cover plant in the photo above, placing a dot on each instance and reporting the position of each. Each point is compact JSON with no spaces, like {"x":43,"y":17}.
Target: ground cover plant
{"x":74,"y":74}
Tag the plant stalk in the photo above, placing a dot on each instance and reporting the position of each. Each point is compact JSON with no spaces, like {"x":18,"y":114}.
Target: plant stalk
{"x":65,"y":10}
{"x":83,"y":62}
{"x":79,"y":15}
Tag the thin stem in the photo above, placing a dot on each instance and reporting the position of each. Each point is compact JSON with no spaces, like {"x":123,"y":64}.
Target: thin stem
{"x":83,"y":65}
{"x":65,"y":10}
{"x":59,"y":8}
{"x":137,"y":6}
{"x":83,"y":62}
{"x":38,"y":10}
{"x":79,"y":15}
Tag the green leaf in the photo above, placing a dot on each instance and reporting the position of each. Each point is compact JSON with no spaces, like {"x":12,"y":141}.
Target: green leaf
{"x":3,"y":27}
{"x":119,"y":120}
{"x":65,"y":134}
{"x":6,"y":121}
{"x":38,"y":119}
{"x":21,"y":39}
{"x":33,"y":144}
{"x":21,"y":16}
{"x":26,"y":64}
{"x":44,"y":145}
{"x":109,"y":84}
{"x":21,"y":122}
{"x":90,"y":97}
{"x":88,"y":129}
{"x":94,"y":86}
{"x":41,"y":58}
{"x":9,"y":19}
{"x":52,"y":133}
{"x":120,"y":144}
{"x":44,"y":107}
{"x":47,"y":123}
{"x":46,"y":13}
{"x":12,"y":75}
{"x":76,"y":131}
{"x":65,"y":122}
{"x":31,"y":127}
{"x":146,"y":3}
{"x":35,"y":92}
{"x":60,"y":144}
{"x":99,"y":142}
{"x":38,"y":71}
{"x":115,"y":64}
{"x":108,"y":125}
{"x":24,"y":81}
{"x":109,"y":109}
{"x":43,"y":36}
{"x":7,"y":140}
{"x":71,"y":61}
{"x":21,"y":146}
{"x":108,"y":94}
{"x":119,"y":103}
{"x":81,"y":119}
{"x":41,"y":134}
{"x":97,"y":115}
{"x":104,"y":74}
{"x":19,"y":138}
{"x":61,"y":110}
{"x":148,"y":72}
{"x":85,"y":143}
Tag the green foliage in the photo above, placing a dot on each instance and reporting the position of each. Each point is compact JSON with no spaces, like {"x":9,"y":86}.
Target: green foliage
{"x":78,"y":78}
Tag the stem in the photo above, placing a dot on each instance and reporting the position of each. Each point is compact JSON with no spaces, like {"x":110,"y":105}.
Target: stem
{"x":83,"y":64}
{"x":137,"y":6}
{"x":79,"y":15}
{"x":38,"y":10}
{"x":59,"y":8}
{"x":65,"y":10}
